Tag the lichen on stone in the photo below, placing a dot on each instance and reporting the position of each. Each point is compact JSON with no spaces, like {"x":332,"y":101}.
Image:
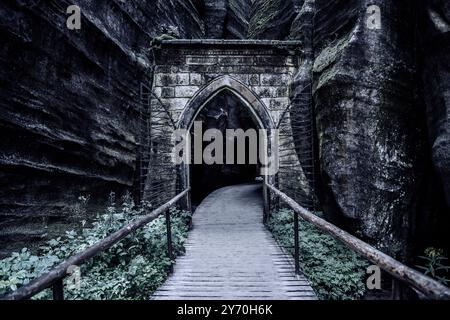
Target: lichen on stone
{"x":330,"y":54}
{"x":267,"y":11}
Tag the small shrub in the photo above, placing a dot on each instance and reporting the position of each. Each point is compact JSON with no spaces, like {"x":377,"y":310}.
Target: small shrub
{"x":132,"y":269}
{"x":334,"y":271}
{"x":434,"y":265}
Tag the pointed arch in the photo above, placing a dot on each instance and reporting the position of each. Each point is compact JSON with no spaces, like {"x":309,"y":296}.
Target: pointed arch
{"x":257,"y":108}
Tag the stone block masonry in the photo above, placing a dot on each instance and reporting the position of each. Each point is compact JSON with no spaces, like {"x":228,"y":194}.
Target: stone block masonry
{"x":184,"y":67}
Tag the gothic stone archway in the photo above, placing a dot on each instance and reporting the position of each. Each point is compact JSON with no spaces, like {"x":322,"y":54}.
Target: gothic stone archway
{"x":253,"y":104}
{"x":188,"y":73}
{"x":185,"y":67}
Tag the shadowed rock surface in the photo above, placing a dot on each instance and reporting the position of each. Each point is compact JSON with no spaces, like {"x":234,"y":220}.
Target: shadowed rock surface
{"x":69,"y":104}
{"x":226,"y":19}
{"x":371,"y":133}
{"x":272,"y":19}
{"x":368,"y":117}
{"x":301,"y":98}
{"x":436,"y":79}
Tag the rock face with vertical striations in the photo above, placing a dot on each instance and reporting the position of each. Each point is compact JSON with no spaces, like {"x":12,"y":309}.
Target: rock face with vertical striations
{"x":436,"y":79}
{"x":69,"y":104}
{"x":368,"y":116}
{"x":301,"y":101}
{"x":226,"y":19}
{"x":369,"y":90}
{"x":272,"y":19}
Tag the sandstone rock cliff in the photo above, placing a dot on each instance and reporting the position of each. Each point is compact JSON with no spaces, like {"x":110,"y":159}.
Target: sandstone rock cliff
{"x":69,"y":104}
{"x":226,"y":19}
{"x":368,"y":99}
{"x":368,"y":117}
{"x":272,"y":19}
{"x":373,"y":91}
{"x":436,"y":80}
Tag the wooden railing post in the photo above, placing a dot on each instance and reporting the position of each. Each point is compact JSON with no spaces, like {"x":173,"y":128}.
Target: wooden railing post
{"x":266,"y":204}
{"x":189,"y":201}
{"x":53,"y":278}
{"x":169,"y":239}
{"x":397,"y":290}
{"x":296,"y":244}
{"x":429,"y":287}
{"x":58,"y":290}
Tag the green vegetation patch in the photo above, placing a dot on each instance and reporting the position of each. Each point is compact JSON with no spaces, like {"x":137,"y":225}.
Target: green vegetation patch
{"x":334,"y":271}
{"x":130,"y":270}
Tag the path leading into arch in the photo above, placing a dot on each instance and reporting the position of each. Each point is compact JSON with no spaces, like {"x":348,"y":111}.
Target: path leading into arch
{"x":231,"y":255}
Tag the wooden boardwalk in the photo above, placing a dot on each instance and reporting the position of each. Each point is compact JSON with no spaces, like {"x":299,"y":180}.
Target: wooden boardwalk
{"x":231,"y":255}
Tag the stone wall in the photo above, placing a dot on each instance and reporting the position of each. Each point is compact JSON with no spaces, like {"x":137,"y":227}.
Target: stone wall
{"x":182,"y":70}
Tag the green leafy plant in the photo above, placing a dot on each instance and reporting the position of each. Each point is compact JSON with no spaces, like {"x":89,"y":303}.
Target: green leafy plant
{"x":334,"y":271}
{"x":132,"y":269}
{"x":434,"y":265}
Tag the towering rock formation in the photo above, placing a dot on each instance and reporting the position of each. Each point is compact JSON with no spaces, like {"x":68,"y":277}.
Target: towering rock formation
{"x":368,"y":98}
{"x":368,"y":117}
{"x":69,"y":104}
{"x":226,"y":19}
{"x":436,"y":79}
{"x":434,"y":49}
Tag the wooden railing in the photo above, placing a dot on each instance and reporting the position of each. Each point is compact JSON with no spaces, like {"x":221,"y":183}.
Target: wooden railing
{"x":429,"y":287}
{"x":54,"y":278}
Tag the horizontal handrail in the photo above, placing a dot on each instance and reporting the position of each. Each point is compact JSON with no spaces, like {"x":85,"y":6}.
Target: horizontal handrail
{"x":429,"y":287}
{"x":60,"y":272}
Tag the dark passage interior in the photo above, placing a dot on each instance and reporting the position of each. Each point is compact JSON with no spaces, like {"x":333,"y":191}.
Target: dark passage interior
{"x":224,"y":111}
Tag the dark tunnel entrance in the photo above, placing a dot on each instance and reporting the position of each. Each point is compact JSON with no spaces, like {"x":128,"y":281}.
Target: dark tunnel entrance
{"x":224,"y":111}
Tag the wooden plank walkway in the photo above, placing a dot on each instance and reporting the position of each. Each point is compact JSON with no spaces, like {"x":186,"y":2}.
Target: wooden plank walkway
{"x":231,"y":255}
